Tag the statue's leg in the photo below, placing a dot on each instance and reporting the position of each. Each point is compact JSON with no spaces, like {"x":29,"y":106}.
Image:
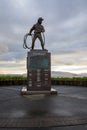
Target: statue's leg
{"x":41,"y":40}
{"x":33,"y":41}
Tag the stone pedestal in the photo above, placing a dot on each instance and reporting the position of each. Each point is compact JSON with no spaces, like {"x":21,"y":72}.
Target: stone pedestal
{"x":38,"y":71}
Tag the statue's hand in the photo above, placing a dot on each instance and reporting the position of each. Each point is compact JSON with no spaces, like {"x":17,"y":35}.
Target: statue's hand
{"x":29,"y":34}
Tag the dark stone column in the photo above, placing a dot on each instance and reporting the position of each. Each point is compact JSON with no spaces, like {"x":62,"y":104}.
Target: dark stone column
{"x":38,"y":71}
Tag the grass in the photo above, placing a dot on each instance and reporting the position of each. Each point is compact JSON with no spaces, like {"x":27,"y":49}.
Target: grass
{"x":20,"y":77}
{"x":10,"y":77}
{"x":67,"y":78}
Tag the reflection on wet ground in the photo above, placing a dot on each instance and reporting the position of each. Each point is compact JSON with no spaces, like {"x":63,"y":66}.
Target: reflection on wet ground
{"x":70,"y":102}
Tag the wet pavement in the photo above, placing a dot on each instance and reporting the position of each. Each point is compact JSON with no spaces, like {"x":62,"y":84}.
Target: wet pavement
{"x":67,"y":110}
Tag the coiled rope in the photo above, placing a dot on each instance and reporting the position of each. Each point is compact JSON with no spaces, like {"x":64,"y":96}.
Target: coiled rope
{"x":25,"y":46}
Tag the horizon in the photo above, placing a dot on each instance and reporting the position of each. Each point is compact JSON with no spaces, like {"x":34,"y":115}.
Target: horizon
{"x":68,"y":69}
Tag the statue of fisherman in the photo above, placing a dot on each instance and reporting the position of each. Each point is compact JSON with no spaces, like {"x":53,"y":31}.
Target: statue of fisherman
{"x":38,"y":28}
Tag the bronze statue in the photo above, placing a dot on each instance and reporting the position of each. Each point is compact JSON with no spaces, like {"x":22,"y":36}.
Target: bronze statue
{"x":38,"y":29}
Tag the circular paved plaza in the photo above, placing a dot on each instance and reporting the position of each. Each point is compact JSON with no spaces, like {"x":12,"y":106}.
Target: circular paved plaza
{"x":67,"y":108}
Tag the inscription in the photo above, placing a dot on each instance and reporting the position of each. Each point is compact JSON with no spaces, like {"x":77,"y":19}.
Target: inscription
{"x":39,"y":62}
{"x":36,"y":54}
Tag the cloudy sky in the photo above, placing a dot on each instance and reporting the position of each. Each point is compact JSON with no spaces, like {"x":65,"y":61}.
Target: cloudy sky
{"x":65,"y":22}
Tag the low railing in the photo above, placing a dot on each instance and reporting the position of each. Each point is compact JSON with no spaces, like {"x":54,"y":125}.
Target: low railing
{"x":4,"y":82}
{"x":8,"y":82}
{"x":70,"y":82}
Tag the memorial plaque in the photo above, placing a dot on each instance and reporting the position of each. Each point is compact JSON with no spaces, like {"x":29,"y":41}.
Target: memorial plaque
{"x":39,"y":62}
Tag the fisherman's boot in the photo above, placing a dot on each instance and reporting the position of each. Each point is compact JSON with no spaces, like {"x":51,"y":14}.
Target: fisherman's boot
{"x":32,"y":47}
{"x":43,"y":47}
